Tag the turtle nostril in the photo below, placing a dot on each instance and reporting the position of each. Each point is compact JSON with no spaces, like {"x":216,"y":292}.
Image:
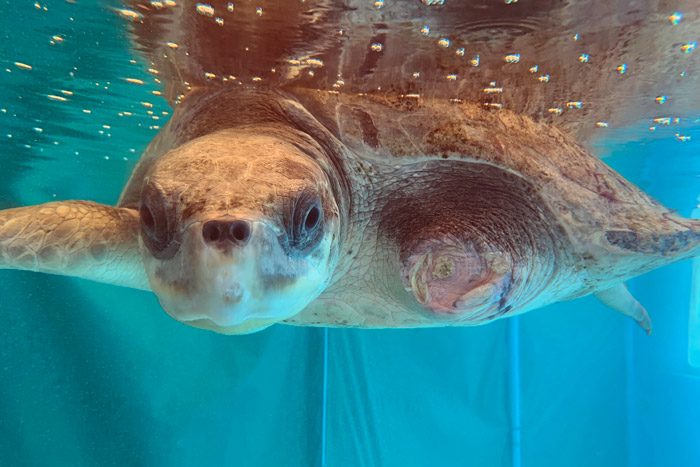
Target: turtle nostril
{"x":240,"y":231}
{"x":224,"y":232}
{"x":212,"y":231}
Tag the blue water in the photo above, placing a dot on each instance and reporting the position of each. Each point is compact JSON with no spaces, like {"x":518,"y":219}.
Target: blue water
{"x":95,"y":375}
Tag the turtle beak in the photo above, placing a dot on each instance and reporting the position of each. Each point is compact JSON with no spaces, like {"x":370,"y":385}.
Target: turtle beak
{"x":231,"y":259}
{"x":232,"y":275}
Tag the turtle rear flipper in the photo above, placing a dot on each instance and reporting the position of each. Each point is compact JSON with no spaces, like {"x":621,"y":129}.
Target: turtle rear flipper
{"x":74,"y":238}
{"x":634,"y":252}
{"x":620,"y":299}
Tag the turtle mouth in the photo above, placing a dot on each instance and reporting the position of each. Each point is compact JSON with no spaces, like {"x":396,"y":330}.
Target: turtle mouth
{"x":248,"y":327}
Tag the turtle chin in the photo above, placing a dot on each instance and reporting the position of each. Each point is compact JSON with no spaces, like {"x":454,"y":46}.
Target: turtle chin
{"x":237,"y":289}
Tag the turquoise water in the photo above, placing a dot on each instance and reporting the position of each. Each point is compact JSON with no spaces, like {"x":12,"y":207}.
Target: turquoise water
{"x":95,"y":375}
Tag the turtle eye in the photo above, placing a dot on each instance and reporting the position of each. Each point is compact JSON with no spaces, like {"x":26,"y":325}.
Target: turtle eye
{"x":306,"y":222}
{"x":158,"y":221}
{"x":312,"y":218}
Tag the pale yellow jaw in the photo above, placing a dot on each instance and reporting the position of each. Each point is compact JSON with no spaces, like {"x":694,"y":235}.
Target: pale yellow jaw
{"x":237,"y":290}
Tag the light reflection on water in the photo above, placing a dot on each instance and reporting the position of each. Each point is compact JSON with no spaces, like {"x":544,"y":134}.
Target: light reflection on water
{"x":591,"y":67}
{"x":596,"y":61}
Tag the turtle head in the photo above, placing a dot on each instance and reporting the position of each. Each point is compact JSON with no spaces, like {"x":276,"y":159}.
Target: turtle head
{"x":239,"y":229}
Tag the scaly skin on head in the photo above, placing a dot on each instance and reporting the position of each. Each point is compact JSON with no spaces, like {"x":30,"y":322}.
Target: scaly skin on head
{"x":265,"y":176}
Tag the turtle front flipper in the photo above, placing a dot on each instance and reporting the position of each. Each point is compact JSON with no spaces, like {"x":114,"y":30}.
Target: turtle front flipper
{"x":74,"y":238}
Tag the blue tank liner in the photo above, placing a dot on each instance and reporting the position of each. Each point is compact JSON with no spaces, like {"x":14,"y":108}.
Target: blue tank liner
{"x":694,"y":309}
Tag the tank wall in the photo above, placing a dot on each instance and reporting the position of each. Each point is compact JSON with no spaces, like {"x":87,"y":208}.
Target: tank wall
{"x":665,"y":395}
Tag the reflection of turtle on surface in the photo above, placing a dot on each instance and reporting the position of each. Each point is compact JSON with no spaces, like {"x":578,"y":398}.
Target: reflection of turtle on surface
{"x":257,"y":206}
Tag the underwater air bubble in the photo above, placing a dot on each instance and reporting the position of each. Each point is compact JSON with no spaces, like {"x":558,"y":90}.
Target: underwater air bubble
{"x":675,"y":18}
{"x":130,"y":15}
{"x":689,"y":47}
{"x":314,"y":62}
{"x":204,"y":9}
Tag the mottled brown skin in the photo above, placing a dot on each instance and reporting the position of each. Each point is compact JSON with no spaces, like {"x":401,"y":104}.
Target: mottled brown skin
{"x":579,"y":226}
{"x":79,"y":238}
{"x":433,"y":213}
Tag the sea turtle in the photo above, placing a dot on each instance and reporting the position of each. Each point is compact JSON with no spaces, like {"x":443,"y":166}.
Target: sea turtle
{"x":253,"y":207}
{"x":256,"y":205}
